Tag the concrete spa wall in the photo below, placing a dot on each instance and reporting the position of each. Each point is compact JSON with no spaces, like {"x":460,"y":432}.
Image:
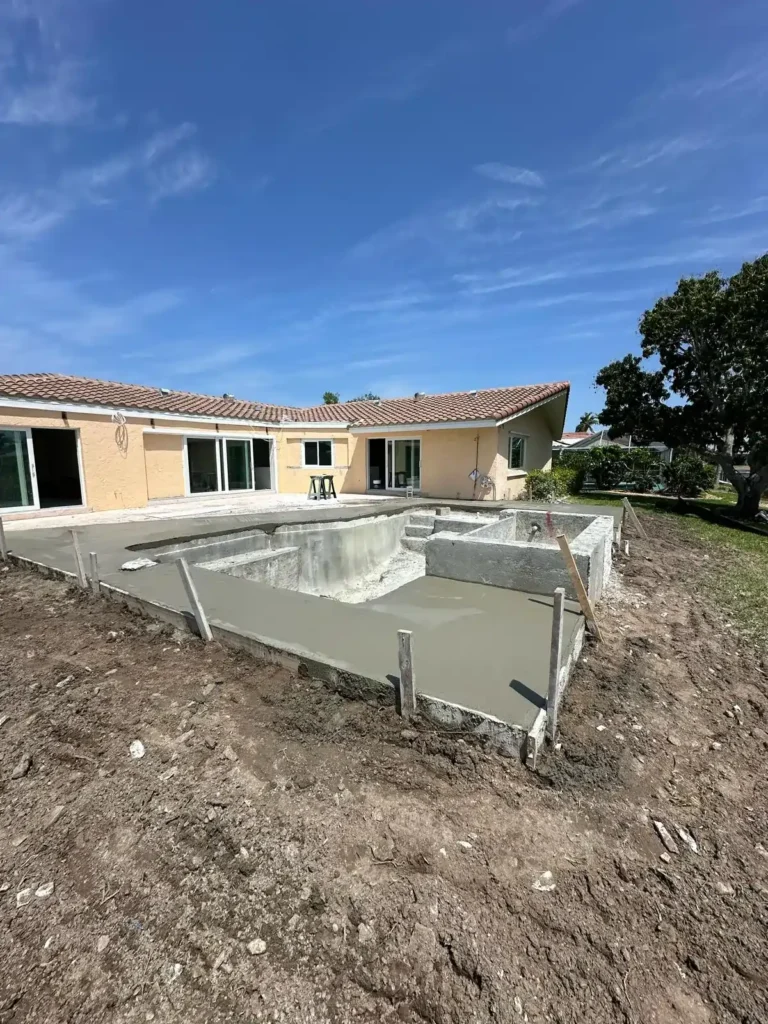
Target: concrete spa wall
{"x":494,"y":556}
{"x":328,"y":554}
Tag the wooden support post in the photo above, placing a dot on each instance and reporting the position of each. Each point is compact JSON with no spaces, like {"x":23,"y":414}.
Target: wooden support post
{"x":3,"y":544}
{"x":633,"y":516}
{"x":578,"y":586}
{"x":194,"y":600}
{"x":555,"y":661}
{"x":95,"y":581}
{"x":79,"y":566}
{"x":407,"y":685}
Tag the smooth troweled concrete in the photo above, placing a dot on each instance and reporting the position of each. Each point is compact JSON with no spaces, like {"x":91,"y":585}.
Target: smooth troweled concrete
{"x":479,"y":647}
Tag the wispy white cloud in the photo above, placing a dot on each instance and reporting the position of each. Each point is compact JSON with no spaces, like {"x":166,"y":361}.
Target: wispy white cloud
{"x":613,"y":216}
{"x":54,"y":99}
{"x":720,"y":214}
{"x":394,"y":83}
{"x":744,"y":72}
{"x":95,"y":323}
{"x":25,"y":217}
{"x":42,"y":70}
{"x":214,"y":356}
{"x":539,"y":22}
{"x":511,"y":175}
{"x":190,"y":172}
{"x":636,"y":156}
{"x":166,"y":139}
{"x":467,"y":217}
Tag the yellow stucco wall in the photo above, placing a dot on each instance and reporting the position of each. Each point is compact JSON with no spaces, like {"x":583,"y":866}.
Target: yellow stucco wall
{"x":536,"y":427}
{"x":113,"y":460}
{"x":447,"y":458}
{"x":293,"y":478}
{"x":123,"y":468}
{"x":164,"y":455}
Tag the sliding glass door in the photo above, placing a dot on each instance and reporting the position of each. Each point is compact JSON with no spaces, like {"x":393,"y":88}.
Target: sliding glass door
{"x":18,"y":484}
{"x":403,"y":464}
{"x":239,"y":465}
{"x":219,"y":464}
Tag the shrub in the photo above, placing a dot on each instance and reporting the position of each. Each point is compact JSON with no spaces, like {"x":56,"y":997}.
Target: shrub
{"x":643,"y":469}
{"x":568,"y":480}
{"x":540,"y":485}
{"x":687,"y":475}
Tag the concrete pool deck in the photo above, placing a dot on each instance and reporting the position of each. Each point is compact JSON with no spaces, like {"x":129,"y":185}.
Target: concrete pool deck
{"x":482,"y":648}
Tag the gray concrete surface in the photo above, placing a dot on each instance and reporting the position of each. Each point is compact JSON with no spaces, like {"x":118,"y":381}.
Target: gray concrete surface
{"x":520,"y":551}
{"x":278,"y":568}
{"x":479,"y":647}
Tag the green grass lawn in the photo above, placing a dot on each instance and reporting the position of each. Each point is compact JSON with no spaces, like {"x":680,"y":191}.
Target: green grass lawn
{"x":738,"y":577}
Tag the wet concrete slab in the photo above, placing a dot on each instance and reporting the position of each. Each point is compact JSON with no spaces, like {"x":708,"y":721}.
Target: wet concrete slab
{"x":481,"y":647}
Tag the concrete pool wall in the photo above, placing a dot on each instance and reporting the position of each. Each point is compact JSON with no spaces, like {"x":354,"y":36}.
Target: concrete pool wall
{"x":315,"y":558}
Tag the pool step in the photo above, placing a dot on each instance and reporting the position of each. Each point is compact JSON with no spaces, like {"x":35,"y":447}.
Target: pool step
{"x":417,"y":530}
{"x":415,"y":543}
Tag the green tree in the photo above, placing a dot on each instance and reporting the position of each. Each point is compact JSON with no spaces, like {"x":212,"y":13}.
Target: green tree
{"x":367,"y":397}
{"x":587,"y":421}
{"x":331,"y":398}
{"x":710,"y":392}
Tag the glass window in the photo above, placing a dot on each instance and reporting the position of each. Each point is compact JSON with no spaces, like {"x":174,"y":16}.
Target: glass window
{"x":203,"y":465}
{"x":516,"y":451}
{"x":15,"y":478}
{"x":318,"y":453}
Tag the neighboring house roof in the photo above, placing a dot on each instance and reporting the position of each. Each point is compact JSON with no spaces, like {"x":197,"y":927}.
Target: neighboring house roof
{"x":576,"y":435}
{"x":490,"y":404}
{"x":601,"y":438}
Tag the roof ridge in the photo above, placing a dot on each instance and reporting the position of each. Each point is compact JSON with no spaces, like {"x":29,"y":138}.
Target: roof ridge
{"x":149,"y":387}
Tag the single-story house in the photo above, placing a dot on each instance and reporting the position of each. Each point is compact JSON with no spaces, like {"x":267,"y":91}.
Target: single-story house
{"x":71,"y":441}
{"x":569,"y":438}
{"x":601,"y":438}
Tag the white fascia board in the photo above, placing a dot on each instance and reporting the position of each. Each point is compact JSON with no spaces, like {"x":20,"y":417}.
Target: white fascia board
{"x":108,"y":410}
{"x":530,"y":408}
{"x":399,"y":428}
{"x":330,"y":425}
{"x":191,"y":432}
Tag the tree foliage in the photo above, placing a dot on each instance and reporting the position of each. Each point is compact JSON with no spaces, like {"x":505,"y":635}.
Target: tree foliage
{"x":688,"y":474}
{"x":367,"y":397}
{"x":587,"y":421}
{"x":709,"y":393}
{"x":331,"y":398}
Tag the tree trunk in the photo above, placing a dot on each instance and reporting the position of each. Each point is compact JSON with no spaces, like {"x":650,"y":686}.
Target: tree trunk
{"x":750,"y":494}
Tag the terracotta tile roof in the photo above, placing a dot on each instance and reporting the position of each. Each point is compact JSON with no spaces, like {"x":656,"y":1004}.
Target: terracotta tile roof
{"x":490,"y":404}
{"x":54,"y":387}
{"x":576,"y":435}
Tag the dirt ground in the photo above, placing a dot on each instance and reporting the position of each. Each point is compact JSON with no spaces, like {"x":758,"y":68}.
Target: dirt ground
{"x":282,"y":854}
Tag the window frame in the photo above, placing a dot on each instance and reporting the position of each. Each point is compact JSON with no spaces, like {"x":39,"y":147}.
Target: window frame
{"x":317,"y":441}
{"x":523,"y":454}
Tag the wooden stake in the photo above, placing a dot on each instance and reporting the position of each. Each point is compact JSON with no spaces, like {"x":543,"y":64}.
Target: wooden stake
{"x":3,"y":544}
{"x":633,"y":516}
{"x":79,"y":566}
{"x":407,"y":685}
{"x":555,"y":661}
{"x":578,"y":586}
{"x":197,"y":608}
{"x":95,"y":582}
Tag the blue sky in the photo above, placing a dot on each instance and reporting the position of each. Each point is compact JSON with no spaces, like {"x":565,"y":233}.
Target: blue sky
{"x":279,"y":197}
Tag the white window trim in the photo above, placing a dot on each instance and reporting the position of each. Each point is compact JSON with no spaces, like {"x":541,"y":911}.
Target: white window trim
{"x":524,"y":438}
{"x":35,"y":505}
{"x":317,"y":440}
